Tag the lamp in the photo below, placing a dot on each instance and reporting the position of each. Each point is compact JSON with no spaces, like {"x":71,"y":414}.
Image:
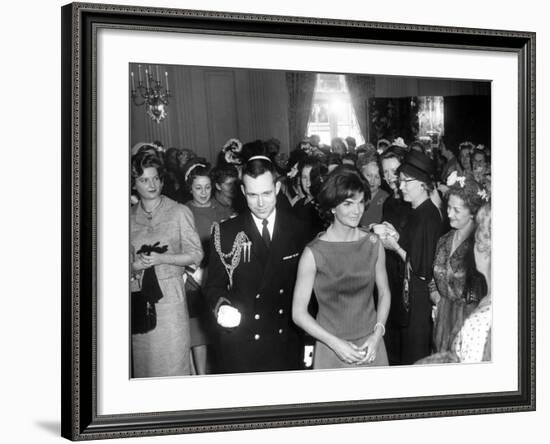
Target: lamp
{"x":153,"y":94}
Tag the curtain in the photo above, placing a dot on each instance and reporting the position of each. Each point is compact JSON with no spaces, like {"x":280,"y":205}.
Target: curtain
{"x":361,"y":88}
{"x":301,"y":86}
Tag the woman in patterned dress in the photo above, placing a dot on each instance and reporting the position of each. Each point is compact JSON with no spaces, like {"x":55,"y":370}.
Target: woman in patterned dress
{"x":457,"y":285}
{"x":473,"y":341}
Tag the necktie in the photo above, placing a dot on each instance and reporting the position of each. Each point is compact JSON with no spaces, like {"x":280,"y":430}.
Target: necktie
{"x":265,"y":233}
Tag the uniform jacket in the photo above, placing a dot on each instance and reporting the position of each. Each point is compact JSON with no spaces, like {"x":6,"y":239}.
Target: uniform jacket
{"x":262,"y":288}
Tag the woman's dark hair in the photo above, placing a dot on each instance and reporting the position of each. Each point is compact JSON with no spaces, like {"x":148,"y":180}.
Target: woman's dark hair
{"x":368,"y":158}
{"x":417,"y":144}
{"x":221,"y":173}
{"x":333,"y":159}
{"x":171,"y":159}
{"x":317,"y":177}
{"x":198,"y":167}
{"x":350,"y":156}
{"x":469,"y":146}
{"x":469,"y":193}
{"x":308,"y":161}
{"x":344,"y":182}
{"x":429,"y":186}
{"x":143,"y":160}
{"x":479,"y":151}
{"x":394,"y":152}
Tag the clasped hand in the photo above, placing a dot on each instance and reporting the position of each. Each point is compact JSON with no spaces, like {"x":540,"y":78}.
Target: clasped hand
{"x":350,"y":353}
{"x":151,"y":259}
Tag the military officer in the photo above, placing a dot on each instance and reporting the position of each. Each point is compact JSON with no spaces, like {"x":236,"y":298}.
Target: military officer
{"x":251,"y":279}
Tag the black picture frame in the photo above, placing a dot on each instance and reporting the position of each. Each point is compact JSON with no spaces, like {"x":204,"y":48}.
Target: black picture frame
{"x":80,"y":420}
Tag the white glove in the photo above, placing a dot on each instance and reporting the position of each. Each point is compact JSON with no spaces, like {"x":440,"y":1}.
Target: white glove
{"x":385,"y":230}
{"x":228,"y":316}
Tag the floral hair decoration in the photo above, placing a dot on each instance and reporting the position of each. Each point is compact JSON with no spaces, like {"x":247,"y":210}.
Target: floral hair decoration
{"x":454,"y":178}
{"x":231,"y":150}
{"x":483,"y":194}
{"x":399,"y":142}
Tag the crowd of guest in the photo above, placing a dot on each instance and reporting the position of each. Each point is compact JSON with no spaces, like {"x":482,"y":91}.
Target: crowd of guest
{"x":382,"y":256}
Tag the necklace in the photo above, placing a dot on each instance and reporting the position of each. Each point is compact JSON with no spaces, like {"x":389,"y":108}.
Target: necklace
{"x":149,"y":214}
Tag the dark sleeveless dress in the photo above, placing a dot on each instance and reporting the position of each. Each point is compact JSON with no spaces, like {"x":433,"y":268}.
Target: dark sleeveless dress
{"x":344,"y":286}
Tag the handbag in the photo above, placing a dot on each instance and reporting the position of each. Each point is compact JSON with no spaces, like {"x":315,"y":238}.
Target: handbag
{"x":144,"y":314}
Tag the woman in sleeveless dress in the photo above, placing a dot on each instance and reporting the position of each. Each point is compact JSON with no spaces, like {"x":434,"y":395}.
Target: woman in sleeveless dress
{"x":341,"y":265}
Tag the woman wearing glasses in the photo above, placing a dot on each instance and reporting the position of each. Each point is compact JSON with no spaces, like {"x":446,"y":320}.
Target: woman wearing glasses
{"x":416,"y":248}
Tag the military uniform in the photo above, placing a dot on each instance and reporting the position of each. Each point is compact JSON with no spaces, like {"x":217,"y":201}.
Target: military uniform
{"x":261,"y":289}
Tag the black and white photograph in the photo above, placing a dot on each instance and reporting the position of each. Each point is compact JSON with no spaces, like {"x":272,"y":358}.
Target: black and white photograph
{"x":273,"y":222}
{"x":397,"y":291}
{"x":294,"y":220}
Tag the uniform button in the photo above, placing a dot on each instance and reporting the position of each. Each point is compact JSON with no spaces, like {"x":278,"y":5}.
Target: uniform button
{"x":281,"y":311}
{"x":256,"y":316}
{"x":280,"y":331}
{"x":257,"y":296}
{"x":281,"y":291}
{"x":256,"y":337}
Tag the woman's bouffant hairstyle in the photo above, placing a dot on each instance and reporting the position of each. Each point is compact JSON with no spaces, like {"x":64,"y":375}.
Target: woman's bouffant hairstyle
{"x":198,"y":167}
{"x":470,"y":193}
{"x":143,"y":160}
{"x":317,"y":177}
{"x":372,"y":157}
{"x":344,"y":182}
{"x":393,"y":152}
{"x":309,"y":161}
{"x":483,"y":230}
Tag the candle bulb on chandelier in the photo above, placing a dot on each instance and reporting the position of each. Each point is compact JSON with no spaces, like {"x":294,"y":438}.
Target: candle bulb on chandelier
{"x":139,"y":75}
{"x":147,"y":77}
{"x":166,"y":78}
{"x":133,"y":85}
{"x":158,"y":76}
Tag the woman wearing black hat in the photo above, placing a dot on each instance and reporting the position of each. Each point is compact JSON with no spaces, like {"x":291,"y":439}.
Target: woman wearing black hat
{"x":416,"y":248}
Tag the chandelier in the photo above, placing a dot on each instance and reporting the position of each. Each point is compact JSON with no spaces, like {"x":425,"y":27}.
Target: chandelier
{"x":153,"y":94}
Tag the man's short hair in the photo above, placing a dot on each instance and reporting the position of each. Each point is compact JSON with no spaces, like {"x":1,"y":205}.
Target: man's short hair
{"x":257,"y":166}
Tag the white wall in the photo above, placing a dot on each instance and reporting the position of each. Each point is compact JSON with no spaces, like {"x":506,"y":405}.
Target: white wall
{"x":30,"y":222}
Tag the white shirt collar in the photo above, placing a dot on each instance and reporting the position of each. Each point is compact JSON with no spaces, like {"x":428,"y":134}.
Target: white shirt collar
{"x":270,"y":223}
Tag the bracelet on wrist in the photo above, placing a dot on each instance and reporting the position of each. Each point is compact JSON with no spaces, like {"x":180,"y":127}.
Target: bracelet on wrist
{"x":379,"y":324}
